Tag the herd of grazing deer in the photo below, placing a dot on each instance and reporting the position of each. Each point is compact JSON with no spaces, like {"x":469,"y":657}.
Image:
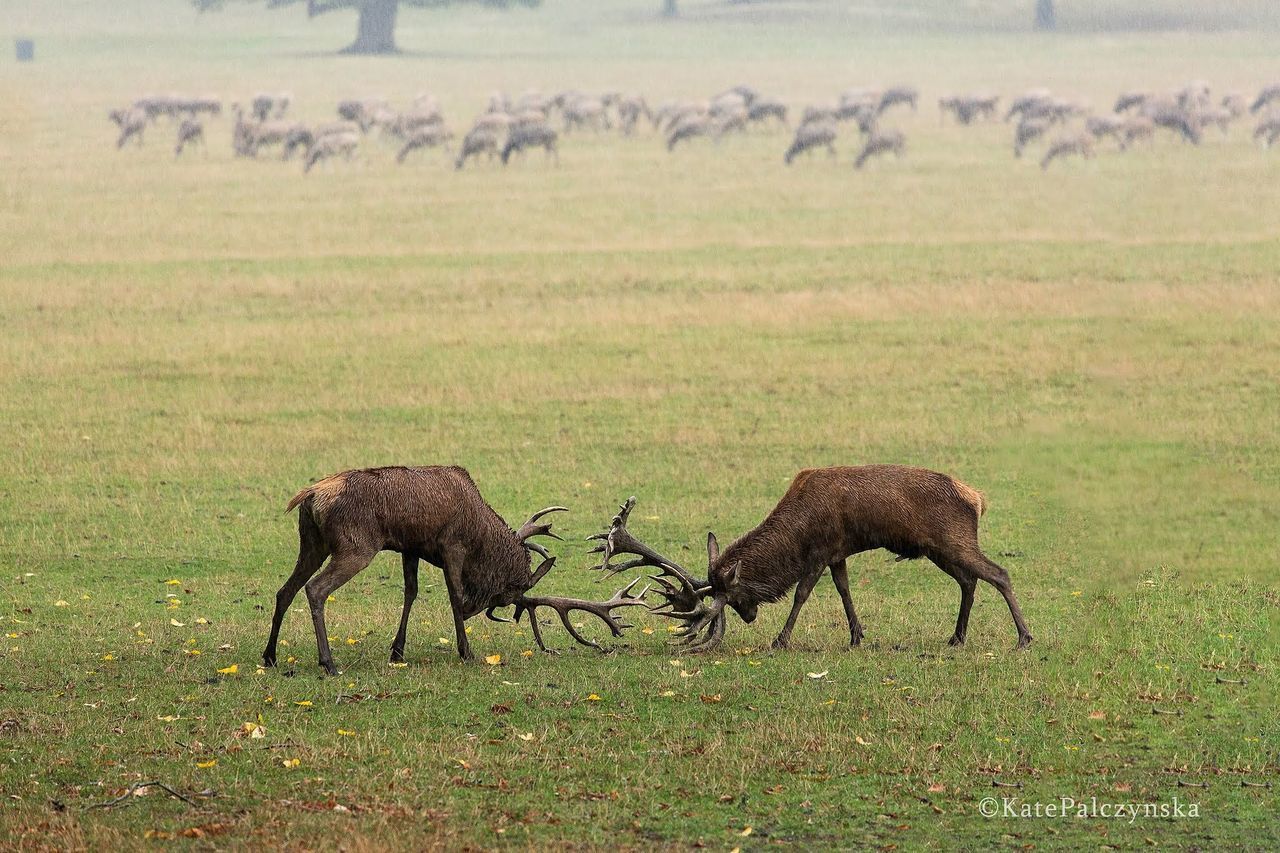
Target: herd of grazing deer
{"x":437,"y":514}
{"x":512,"y":126}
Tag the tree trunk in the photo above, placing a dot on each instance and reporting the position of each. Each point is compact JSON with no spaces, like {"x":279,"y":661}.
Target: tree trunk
{"x":377,"y":32}
{"x":669,"y":8}
{"x":1046,"y":19}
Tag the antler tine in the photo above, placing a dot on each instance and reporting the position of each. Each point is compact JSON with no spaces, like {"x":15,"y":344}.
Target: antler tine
{"x":696,"y":620}
{"x":531,"y":528}
{"x":539,"y":573}
{"x":618,"y":540}
{"x":714,"y":636}
{"x":489,"y":614}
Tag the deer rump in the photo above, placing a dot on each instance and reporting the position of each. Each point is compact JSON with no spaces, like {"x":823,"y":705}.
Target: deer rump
{"x":827,"y":515}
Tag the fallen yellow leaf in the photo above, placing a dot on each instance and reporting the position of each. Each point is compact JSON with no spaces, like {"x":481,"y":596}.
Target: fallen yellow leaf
{"x":205,"y":765}
{"x":173,"y":582}
{"x":169,"y":718}
{"x":860,"y":742}
{"x":230,"y":670}
{"x":527,"y":653}
{"x":200,"y":620}
{"x":108,"y":656}
{"x":526,"y":736}
{"x":305,"y":703}
{"x":60,"y":603}
{"x":746,"y":830}
{"x":593,"y":698}
{"x":175,"y":623}
{"x":667,"y":693}
{"x":493,"y":660}
{"x":345,"y":732}
{"x":291,"y":762}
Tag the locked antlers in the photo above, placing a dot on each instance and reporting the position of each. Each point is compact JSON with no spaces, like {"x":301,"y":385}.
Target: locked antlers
{"x":702,"y":616}
{"x":682,"y":591}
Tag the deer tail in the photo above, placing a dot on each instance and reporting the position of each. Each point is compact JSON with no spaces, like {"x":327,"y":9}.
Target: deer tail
{"x":321,"y":495}
{"x":972,"y":497}
{"x":299,"y":498}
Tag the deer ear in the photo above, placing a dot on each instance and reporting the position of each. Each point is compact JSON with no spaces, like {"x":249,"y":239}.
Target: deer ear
{"x":713,"y":549}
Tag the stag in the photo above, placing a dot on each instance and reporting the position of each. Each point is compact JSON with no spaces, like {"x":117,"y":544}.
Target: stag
{"x":434,"y":514}
{"x":827,"y":515}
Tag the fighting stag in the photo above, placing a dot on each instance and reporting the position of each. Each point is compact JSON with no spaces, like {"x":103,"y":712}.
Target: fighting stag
{"x":435,"y":514}
{"x":826,"y":516}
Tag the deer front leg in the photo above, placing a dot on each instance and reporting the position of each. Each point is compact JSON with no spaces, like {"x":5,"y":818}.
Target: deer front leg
{"x":802,"y":595}
{"x":453,"y":582}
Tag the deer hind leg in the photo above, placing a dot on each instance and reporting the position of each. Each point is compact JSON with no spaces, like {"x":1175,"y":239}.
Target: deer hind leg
{"x":343,"y":567}
{"x":968,"y":583}
{"x":983,"y":568}
{"x":410,"y":563}
{"x":311,"y":554}
{"x":803,"y":588}
{"x":840,"y":576}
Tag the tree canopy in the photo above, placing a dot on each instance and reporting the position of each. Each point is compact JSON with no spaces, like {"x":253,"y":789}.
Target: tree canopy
{"x":377,"y":18}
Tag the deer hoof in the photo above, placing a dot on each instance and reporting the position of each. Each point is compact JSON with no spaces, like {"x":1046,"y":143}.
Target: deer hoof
{"x":781,"y":643}
{"x":956,"y":640}
{"x":329,"y":669}
{"x":1023,"y":642}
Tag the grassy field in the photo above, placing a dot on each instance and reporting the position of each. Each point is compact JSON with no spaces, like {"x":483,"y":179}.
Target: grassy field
{"x":184,"y":345}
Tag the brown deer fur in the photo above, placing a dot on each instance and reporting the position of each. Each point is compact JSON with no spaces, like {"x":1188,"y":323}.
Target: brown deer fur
{"x":829,"y":514}
{"x":433,"y":513}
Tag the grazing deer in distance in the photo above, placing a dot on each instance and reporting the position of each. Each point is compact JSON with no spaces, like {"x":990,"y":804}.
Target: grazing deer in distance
{"x":435,"y":514}
{"x":827,"y":515}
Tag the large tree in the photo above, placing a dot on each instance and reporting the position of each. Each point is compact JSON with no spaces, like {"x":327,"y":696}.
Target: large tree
{"x":376,"y":30}
{"x":1046,"y":17}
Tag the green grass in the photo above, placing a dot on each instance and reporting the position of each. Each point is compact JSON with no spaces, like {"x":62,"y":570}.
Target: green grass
{"x":184,"y":345}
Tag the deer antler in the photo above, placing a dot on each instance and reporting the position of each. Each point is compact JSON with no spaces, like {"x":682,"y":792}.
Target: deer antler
{"x":711,"y":618}
{"x":562,"y":607}
{"x":530,"y":529}
{"x":618,"y":540}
